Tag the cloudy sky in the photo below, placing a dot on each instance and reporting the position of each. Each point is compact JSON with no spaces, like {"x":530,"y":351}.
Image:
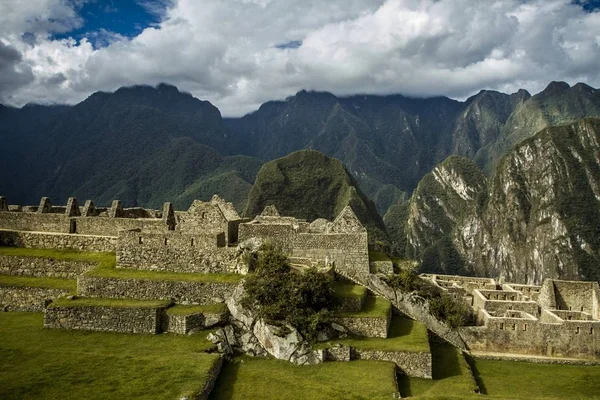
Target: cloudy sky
{"x":240,"y":53}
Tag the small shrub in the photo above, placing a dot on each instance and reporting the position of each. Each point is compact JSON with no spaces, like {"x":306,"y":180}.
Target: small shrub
{"x":406,"y":280}
{"x":454,"y":312}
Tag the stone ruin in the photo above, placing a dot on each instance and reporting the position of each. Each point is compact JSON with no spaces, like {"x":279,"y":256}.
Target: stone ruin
{"x":557,"y":319}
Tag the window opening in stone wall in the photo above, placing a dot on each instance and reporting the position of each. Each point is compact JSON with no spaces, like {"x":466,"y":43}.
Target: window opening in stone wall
{"x":577,"y":331}
{"x":501,"y":326}
{"x":581,"y":308}
{"x":165,"y":241}
{"x":140,"y":240}
{"x":514,"y":327}
{"x":192,"y":242}
{"x":524,"y":327}
{"x":591,"y":331}
{"x":203,"y":215}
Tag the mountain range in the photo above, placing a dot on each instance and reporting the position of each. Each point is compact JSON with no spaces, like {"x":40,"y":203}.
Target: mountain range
{"x":146,"y":145}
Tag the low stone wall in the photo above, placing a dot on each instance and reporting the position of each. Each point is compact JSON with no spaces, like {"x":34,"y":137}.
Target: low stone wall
{"x":184,"y":324}
{"x":20,"y":298}
{"x":146,"y":289}
{"x":107,"y":319}
{"x":59,"y":241}
{"x":368,"y":327}
{"x":351,"y":304}
{"x":38,"y":266}
{"x":382,"y":267}
{"x":417,"y":365}
{"x":208,"y":386}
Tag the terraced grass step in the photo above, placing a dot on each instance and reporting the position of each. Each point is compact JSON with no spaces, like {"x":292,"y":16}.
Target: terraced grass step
{"x":351,"y":297}
{"x":184,"y":319}
{"x":407,"y":345}
{"x":373,"y":320}
{"x":24,"y":293}
{"x":107,"y":315}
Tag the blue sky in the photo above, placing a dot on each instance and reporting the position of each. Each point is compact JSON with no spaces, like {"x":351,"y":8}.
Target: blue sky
{"x":104,"y":18}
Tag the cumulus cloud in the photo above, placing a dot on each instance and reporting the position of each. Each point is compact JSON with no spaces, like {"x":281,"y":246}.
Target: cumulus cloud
{"x":240,"y":53}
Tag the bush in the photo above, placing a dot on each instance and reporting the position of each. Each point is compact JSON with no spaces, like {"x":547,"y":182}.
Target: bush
{"x":454,"y":313}
{"x":280,"y":296}
{"x":406,"y":280}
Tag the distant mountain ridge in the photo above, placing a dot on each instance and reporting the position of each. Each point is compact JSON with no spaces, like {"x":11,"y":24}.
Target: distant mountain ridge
{"x":148,"y":144}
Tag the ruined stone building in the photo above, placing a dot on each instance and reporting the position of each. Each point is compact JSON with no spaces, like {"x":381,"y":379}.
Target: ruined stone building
{"x":557,"y":319}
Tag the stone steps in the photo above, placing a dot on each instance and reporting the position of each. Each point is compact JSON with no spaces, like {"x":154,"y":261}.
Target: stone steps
{"x":23,"y":293}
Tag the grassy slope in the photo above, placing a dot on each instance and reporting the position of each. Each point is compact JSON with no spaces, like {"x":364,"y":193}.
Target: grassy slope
{"x":374,"y":307}
{"x":346,"y":289}
{"x":255,"y":378}
{"x":28,"y":281}
{"x":404,"y":335}
{"x":113,"y":303}
{"x":55,"y":364}
{"x":106,"y":266}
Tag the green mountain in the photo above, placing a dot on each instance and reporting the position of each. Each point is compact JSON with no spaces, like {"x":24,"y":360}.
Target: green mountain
{"x":539,"y":217}
{"x":142,"y":145}
{"x":307,"y":184}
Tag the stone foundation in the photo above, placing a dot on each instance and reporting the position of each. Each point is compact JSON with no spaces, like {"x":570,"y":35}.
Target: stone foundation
{"x":417,"y":365}
{"x":59,"y":241}
{"x":20,"y":298}
{"x":107,"y":319}
{"x":368,"y":327}
{"x":186,"y":324}
{"x":145,"y":289}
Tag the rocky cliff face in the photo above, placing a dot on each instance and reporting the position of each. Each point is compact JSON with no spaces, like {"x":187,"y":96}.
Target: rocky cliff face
{"x":539,"y":217}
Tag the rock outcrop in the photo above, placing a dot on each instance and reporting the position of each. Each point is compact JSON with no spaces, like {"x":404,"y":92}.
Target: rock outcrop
{"x":250,"y":335}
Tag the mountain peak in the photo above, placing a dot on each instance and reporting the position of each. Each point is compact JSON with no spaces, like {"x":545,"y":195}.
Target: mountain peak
{"x":556,"y":87}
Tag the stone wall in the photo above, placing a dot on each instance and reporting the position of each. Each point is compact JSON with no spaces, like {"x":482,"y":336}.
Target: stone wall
{"x":412,"y":364}
{"x":146,"y":289}
{"x":19,"y":298}
{"x":570,"y":295}
{"x":184,"y":324}
{"x":368,"y":327}
{"x":39,"y":222}
{"x":59,"y":241}
{"x":176,"y":252}
{"x":213,"y":374}
{"x":106,"y":226}
{"x":107,"y":319}
{"x":38,"y":266}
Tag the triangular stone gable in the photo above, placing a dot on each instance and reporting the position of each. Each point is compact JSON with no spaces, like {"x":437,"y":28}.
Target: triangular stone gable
{"x":3,"y":204}
{"x":226,"y":208}
{"x":72,"y":209}
{"x":270,"y":211}
{"x":347,"y":222}
{"x":45,"y":205}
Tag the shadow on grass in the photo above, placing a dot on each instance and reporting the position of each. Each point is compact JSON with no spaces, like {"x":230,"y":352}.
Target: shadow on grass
{"x":224,"y":385}
{"x":445,"y":361}
{"x":476,"y":374}
{"x":404,"y":386}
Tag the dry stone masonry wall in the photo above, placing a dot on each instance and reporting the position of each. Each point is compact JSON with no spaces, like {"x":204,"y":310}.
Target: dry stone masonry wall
{"x":39,"y":266}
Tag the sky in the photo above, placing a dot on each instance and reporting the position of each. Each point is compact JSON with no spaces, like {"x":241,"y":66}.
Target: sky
{"x":238,"y":54}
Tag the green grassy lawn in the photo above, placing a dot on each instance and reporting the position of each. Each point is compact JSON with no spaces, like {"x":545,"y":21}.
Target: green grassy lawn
{"x":259,"y":378}
{"x":187,"y":310}
{"x":451,"y":377}
{"x":66,"y":255}
{"x":38,"y":282}
{"x":404,"y":335}
{"x":374,"y":307}
{"x":522,"y":380}
{"x":117,"y":303}
{"x":105,"y":270}
{"x":347,"y":289}
{"x":38,"y":363}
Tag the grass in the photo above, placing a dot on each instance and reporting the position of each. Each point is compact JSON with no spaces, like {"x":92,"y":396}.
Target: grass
{"x":404,"y":335}
{"x":374,"y":307}
{"x":346,"y":289}
{"x":114,"y":303}
{"x":378,"y":256}
{"x":187,"y":310}
{"x":66,"y":255}
{"x":39,"y":282}
{"x":105,"y":270}
{"x":452,"y":378}
{"x":522,"y":380}
{"x":256,"y":378}
{"x":54,"y":364}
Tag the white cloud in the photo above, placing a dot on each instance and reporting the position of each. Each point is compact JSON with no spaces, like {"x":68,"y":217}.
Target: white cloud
{"x":225,"y":50}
